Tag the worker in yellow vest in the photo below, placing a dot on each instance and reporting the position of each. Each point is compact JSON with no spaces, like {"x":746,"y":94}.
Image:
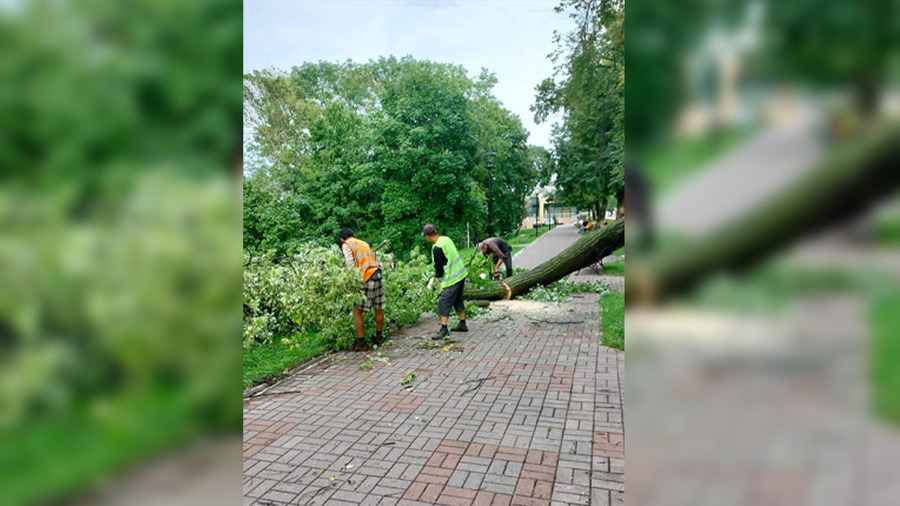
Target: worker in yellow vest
{"x":359,"y":256}
{"x":450,"y":270}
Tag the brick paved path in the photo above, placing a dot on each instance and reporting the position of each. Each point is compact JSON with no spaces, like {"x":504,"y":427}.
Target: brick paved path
{"x":518,"y":411}
{"x":551,"y":244}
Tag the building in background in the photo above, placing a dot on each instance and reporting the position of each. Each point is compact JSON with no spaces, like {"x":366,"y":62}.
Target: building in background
{"x":542,"y":210}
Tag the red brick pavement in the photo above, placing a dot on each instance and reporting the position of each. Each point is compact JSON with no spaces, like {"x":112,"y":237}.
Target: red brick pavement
{"x":541,"y":430}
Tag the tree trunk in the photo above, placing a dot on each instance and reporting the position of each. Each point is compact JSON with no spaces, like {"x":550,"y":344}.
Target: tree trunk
{"x":586,"y":251}
{"x":852,"y":179}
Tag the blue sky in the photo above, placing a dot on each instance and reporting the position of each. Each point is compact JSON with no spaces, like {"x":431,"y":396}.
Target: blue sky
{"x":511,"y":38}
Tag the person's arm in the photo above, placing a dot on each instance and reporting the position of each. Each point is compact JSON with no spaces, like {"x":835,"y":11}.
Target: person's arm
{"x":440,"y":260}
{"x":499,"y":263}
{"x":348,"y":256}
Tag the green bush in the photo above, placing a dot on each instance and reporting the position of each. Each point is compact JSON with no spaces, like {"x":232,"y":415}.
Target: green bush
{"x":313,"y":291}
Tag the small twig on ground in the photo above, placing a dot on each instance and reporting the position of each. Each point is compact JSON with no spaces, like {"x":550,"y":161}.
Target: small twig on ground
{"x":533,"y":320}
{"x":479,"y":379}
{"x":265,"y":394}
{"x":480,"y":382}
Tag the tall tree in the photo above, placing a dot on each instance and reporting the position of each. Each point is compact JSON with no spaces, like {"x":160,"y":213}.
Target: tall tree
{"x":589,"y":141}
{"x":382,"y":147}
{"x":514,"y":175}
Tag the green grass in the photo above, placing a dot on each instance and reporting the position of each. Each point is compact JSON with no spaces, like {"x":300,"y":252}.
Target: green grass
{"x":667,"y":164}
{"x":620,"y":251}
{"x":64,"y":455}
{"x":527,"y":236}
{"x":264,"y":361}
{"x":612,"y":320}
{"x":616,"y":268}
{"x":885,"y":356}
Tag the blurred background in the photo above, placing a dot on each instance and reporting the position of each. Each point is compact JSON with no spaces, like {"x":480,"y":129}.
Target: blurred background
{"x":763,"y":224}
{"x":120,"y":253}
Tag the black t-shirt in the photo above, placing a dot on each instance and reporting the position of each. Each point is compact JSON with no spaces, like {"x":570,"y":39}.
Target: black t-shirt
{"x":440,"y":260}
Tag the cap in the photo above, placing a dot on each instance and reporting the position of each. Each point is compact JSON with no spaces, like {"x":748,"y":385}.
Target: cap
{"x":429,"y":229}
{"x":478,"y":247}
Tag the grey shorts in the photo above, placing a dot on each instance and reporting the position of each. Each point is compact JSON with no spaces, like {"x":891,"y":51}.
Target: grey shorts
{"x":451,"y":298}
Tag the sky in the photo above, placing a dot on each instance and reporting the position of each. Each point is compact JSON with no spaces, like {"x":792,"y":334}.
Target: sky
{"x":511,"y":38}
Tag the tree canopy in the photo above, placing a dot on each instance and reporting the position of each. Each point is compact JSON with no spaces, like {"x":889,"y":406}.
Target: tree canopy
{"x":588,"y":88}
{"x":382,"y":147}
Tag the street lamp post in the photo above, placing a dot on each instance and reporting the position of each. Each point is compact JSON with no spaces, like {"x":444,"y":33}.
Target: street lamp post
{"x":489,"y":157}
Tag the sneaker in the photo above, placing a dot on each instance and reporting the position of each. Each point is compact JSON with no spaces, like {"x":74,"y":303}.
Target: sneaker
{"x":442,"y":334}
{"x":359,"y":345}
{"x":460,"y":327}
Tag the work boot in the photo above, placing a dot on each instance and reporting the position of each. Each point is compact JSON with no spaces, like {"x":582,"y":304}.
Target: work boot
{"x":442,"y":334}
{"x":461,"y":327}
{"x":359,"y":345}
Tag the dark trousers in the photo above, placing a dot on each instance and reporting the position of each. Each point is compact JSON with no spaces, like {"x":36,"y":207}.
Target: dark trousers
{"x":508,"y":262}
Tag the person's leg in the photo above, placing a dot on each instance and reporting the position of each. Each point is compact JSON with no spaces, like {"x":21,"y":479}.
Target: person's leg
{"x":358,"y":321}
{"x":378,"y":305}
{"x":445,"y":304}
{"x":379,"y":320}
{"x":508,"y":262}
{"x":460,"y":306}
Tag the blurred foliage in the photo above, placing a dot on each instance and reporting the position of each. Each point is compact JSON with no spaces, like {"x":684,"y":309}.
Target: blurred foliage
{"x":885,"y":355}
{"x":312,"y":292}
{"x":92,"y":85}
{"x":826,"y":45}
{"x":383,"y":148}
{"x":589,"y":144}
{"x":769,"y":288}
{"x":116,"y":122}
{"x":850,"y":45}
{"x":662,"y":33}
{"x":886,"y":226}
{"x":93,"y":306}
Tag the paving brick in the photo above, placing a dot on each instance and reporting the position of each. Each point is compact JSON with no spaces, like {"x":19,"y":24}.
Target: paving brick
{"x":431,"y":493}
{"x":458,"y":478}
{"x":414,"y":492}
{"x":473,"y":481}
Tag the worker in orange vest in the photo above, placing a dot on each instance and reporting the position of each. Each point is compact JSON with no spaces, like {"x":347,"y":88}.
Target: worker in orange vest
{"x":359,"y":256}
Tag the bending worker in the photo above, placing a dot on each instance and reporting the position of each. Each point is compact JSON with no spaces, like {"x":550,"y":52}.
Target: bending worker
{"x":359,"y":255}
{"x":500,"y":251}
{"x":450,"y":270}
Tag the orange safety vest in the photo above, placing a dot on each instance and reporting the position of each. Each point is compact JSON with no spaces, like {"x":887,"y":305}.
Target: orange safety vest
{"x":365,"y":259}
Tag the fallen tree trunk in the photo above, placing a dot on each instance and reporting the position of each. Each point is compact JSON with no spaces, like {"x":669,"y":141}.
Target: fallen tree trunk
{"x":850,"y":180}
{"x":586,"y":251}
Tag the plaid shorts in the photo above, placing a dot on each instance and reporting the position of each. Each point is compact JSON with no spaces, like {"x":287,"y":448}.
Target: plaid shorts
{"x":373,"y":293}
